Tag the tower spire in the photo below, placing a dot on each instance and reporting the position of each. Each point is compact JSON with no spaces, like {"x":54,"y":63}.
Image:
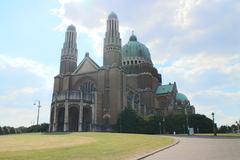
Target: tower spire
{"x":69,"y":51}
{"x":112,"y":42}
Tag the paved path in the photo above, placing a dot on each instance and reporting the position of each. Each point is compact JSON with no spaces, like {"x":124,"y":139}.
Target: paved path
{"x":198,"y":148}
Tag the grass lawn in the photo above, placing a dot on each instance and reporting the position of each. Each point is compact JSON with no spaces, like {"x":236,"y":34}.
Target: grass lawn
{"x":74,"y":146}
{"x":219,"y":134}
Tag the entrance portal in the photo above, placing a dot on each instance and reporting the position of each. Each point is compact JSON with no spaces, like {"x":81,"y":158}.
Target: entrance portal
{"x":87,"y":119}
{"x":60,"y":119}
{"x":73,"y":119}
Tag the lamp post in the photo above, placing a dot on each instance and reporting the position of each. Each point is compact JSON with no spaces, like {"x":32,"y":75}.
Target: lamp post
{"x":238,"y":124}
{"x":187,"y":121}
{"x":214,"y":129}
{"x":39,"y":106}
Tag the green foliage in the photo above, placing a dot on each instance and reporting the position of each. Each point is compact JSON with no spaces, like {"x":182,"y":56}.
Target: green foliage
{"x":175,"y":123}
{"x":11,"y":130}
{"x":225,"y":129}
{"x":131,"y":122}
{"x":1,"y":131}
{"x":34,"y":128}
{"x":5,"y":130}
{"x":38,"y":128}
{"x":200,"y":123}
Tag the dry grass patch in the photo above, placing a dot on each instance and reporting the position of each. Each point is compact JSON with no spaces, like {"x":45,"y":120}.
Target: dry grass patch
{"x":33,"y":142}
{"x":79,"y":146}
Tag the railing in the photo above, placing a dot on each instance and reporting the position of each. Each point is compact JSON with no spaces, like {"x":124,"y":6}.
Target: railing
{"x":73,"y":96}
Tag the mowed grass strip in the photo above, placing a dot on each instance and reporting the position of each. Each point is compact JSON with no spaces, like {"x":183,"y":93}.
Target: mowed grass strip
{"x":219,"y":134}
{"x":79,"y":146}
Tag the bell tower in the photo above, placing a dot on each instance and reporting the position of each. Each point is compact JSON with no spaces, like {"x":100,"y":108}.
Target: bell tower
{"x":69,"y":51}
{"x":112,"y":42}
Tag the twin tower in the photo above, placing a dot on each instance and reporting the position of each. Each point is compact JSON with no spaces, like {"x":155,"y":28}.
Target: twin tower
{"x":111,"y":50}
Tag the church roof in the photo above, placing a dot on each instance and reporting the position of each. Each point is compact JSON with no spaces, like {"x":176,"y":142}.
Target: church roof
{"x":181,"y":97}
{"x":163,"y":89}
{"x":87,"y":65}
{"x":135,"y":49}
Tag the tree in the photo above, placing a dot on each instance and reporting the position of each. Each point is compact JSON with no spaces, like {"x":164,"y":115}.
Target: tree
{"x":44,"y":127}
{"x":12,"y":130}
{"x":153,"y":124}
{"x":130,"y":122}
{"x":1,"y":131}
{"x":200,"y":123}
{"x":225,"y":129}
{"x":5,"y":130}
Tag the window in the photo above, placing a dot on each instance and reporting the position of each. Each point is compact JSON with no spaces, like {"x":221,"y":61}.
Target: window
{"x":88,"y":88}
{"x":136,"y":62}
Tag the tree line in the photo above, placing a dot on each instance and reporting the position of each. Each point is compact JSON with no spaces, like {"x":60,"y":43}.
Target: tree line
{"x":129,"y":121}
{"x":34,"y":128}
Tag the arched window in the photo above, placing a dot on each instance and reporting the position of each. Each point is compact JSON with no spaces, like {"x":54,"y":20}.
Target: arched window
{"x":130,"y":98}
{"x":88,"y":88}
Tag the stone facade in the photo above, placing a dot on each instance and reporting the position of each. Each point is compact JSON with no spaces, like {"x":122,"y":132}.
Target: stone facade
{"x":87,"y":97}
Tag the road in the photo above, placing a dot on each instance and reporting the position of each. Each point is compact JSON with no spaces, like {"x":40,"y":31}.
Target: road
{"x":199,"y":148}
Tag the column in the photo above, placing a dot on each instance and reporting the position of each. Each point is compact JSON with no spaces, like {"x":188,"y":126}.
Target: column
{"x":139,"y":105}
{"x":66,"y":119}
{"x":133,"y":102}
{"x":50,"y":124}
{"x":95,"y":108}
{"x":80,"y":116}
{"x":54,"y":118}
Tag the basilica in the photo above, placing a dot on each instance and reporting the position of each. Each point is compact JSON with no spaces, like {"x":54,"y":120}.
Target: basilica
{"x":89,"y":97}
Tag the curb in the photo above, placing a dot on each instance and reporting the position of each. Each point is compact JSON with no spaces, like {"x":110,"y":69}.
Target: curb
{"x":159,"y":150}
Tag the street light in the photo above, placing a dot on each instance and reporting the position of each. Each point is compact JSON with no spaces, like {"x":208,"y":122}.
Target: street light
{"x":238,"y":124}
{"x":38,"y":105}
{"x":186,"y":113}
{"x":214,"y":129}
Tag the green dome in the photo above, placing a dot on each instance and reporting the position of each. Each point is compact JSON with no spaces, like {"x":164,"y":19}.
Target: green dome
{"x":135,"y":49}
{"x":181,"y":97}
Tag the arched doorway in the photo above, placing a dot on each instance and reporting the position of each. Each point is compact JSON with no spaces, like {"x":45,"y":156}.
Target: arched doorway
{"x":73,"y":119}
{"x":87,"y":119}
{"x":60,"y":119}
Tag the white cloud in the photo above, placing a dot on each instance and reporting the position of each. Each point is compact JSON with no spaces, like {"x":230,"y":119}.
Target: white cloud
{"x":16,"y":116}
{"x":183,"y":16}
{"x":89,"y":20}
{"x":194,"y":65}
{"x":42,"y":71}
{"x":11,"y":95}
{"x":221,"y":118}
{"x":220,"y":93}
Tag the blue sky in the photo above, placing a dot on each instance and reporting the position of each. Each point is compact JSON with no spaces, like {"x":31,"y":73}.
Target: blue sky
{"x":193,"y":42}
